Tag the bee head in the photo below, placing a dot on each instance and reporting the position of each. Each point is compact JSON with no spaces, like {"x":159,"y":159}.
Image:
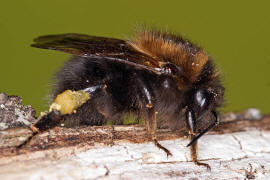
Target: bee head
{"x":202,"y":101}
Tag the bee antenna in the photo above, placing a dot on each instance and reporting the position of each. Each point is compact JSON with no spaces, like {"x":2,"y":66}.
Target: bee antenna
{"x":205,"y":130}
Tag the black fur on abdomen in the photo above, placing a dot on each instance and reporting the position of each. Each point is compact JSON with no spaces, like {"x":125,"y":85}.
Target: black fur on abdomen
{"x":127,"y":89}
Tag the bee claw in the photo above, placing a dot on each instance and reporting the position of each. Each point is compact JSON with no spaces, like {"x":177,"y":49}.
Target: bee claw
{"x":169,"y":154}
{"x":163,"y":148}
{"x":203,"y":164}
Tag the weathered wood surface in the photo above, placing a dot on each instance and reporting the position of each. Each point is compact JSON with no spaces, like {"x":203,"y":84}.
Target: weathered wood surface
{"x":239,"y":148}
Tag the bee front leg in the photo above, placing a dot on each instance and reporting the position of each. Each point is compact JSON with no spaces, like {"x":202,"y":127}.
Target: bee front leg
{"x":194,"y":156}
{"x":194,"y":146}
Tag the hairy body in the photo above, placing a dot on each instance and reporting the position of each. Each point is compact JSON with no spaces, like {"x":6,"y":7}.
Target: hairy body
{"x":160,"y":77}
{"x":127,"y":90}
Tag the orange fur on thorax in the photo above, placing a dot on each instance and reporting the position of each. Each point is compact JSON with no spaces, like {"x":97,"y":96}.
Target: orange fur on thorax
{"x":167,"y":49}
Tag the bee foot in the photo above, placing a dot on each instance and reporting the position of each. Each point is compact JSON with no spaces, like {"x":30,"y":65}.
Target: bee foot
{"x":203,"y":164}
{"x":162,"y":148}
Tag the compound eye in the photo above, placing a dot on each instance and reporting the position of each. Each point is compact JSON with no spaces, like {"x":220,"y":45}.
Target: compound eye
{"x":202,"y":98}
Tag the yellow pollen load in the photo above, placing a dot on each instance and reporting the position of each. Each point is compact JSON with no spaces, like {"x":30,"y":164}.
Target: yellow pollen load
{"x":68,"y":101}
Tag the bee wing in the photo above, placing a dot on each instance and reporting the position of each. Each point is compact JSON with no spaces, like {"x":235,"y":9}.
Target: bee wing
{"x":89,"y":46}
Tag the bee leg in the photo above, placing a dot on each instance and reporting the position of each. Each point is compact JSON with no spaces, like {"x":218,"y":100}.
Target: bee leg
{"x":194,"y":143}
{"x":151,"y":127}
{"x":46,"y":122}
{"x":194,"y":155}
{"x":149,"y":114}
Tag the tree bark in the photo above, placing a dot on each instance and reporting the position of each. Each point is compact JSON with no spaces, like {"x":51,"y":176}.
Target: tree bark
{"x":239,"y":148}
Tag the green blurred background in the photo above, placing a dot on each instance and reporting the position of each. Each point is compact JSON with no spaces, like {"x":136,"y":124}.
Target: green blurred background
{"x":235,"y":33}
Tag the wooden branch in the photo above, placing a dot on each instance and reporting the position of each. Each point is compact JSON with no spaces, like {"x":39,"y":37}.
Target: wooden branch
{"x":238,"y":148}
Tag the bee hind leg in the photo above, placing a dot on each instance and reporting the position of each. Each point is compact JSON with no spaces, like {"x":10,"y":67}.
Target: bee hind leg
{"x":44,"y":123}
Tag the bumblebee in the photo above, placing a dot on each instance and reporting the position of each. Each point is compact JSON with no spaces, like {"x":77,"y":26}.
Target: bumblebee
{"x":159,"y":77}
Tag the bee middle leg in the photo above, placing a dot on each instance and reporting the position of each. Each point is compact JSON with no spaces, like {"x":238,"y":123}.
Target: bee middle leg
{"x":151,"y":127}
{"x":148,"y":101}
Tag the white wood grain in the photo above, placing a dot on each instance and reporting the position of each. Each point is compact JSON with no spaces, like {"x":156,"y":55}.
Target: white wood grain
{"x":231,"y":156}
